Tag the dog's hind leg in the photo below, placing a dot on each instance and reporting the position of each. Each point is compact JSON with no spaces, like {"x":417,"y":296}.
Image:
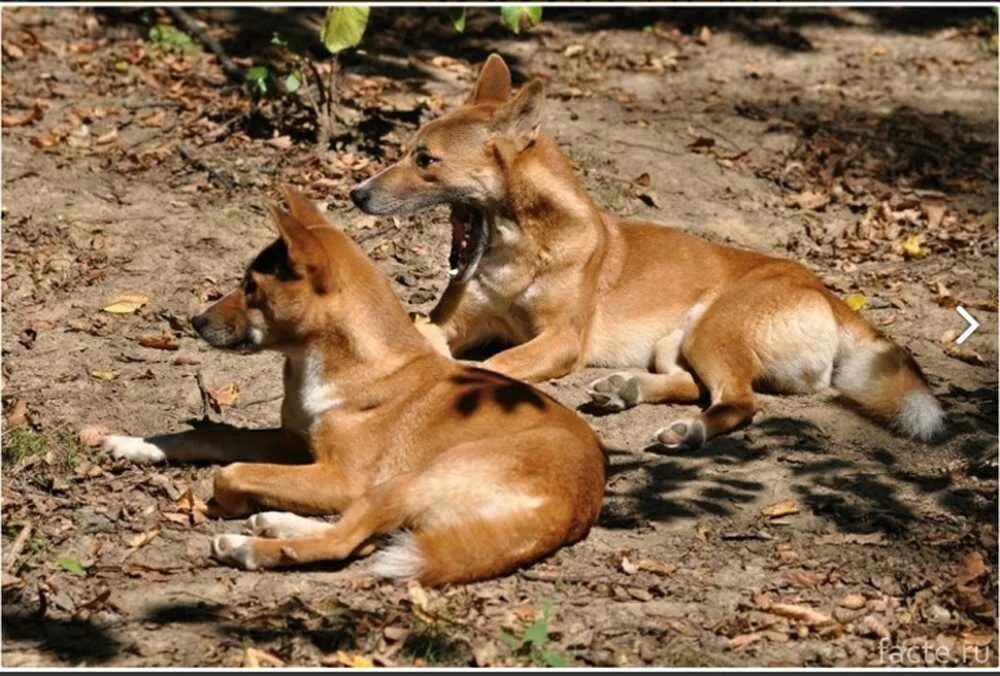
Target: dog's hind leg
{"x":244,"y":488}
{"x":215,"y":443}
{"x":381,"y":510}
{"x":669,"y":382}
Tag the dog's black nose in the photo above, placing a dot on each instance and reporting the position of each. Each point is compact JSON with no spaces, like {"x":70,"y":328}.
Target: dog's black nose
{"x":199,"y":322}
{"x":360,"y":196}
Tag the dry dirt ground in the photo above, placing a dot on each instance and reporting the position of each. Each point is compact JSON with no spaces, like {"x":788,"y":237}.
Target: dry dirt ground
{"x":862,"y":143}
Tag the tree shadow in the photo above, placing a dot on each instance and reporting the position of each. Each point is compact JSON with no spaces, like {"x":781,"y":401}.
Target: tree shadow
{"x":856,"y":495}
{"x":335,"y":626}
{"x":68,"y":640}
{"x":776,"y":27}
{"x":658,"y":486}
{"x":903,"y":148}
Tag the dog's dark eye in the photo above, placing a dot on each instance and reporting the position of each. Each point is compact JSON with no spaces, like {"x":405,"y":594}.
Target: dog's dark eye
{"x":423,"y":159}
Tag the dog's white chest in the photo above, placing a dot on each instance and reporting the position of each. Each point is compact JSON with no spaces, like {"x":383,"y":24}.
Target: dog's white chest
{"x":308,"y":393}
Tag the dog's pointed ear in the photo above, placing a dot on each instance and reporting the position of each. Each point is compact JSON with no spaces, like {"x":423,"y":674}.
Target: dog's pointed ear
{"x":305,"y":252}
{"x":302,"y":208}
{"x":520,"y":119}
{"x":493,"y":84}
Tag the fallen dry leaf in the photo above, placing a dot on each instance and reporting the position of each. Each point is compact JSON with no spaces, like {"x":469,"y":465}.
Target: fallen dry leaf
{"x":254,"y":659}
{"x":809,"y":200}
{"x":143,"y":539}
{"x":856,"y":301}
{"x":808,"y":616}
{"x":966,"y":354}
{"x":417,"y":595}
{"x":783,"y":508}
{"x":657,"y":567}
{"x":648,"y":197}
{"x":851,"y":539}
{"x":912,"y":248}
{"x":969,"y":591}
{"x":743,"y":640}
{"x":702,"y":142}
{"x":20,"y":119}
{"x":102,"y":374}
{"x":852,"y":602}
{"x":93,"y":435}
{"x":162,"y":341}
{"x":347,"y":659}
{"x":227,"y":395}
{"x":628,"y":567}
{"x":17,"y":415}
{"x":126,"y":305}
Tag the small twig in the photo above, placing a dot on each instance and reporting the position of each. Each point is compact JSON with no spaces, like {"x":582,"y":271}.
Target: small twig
{"x":17,"y":546}
{"x":230,"y":68}
{"x":206,"y":397}
{"x":201,"y":166}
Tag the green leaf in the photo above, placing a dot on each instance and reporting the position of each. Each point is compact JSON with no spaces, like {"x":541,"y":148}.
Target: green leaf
{"x":457,"y":16}
{"x":516,"y":17}
{"x":292,"y":82}
{"x":509,"y":641}
{"x":278,"y":39}
{"x":72,"y":566}
{"x":168,"y":35}
{"x":258,"y":77}
{"x":538,"y":633}
{"x":344,"y":27}
{"x":551,"y":658}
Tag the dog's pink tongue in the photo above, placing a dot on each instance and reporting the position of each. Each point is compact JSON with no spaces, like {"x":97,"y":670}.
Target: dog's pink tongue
{"x":457,"y":226}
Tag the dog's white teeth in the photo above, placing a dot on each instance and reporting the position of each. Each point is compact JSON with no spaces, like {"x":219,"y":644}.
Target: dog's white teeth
{"x":453,"y":272}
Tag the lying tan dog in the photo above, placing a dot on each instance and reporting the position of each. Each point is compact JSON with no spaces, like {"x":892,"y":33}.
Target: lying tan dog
{"x":535,"y":263}
{"x":478,"y":473}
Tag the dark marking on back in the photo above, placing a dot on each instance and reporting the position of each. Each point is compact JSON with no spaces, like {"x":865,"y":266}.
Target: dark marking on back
{"x":507,"y":393}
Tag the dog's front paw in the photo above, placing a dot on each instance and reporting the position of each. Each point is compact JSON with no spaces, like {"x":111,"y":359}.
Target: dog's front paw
{"x":236,"y":550}
{"x":133,"y":449}
{"x":616,"y":392}
{"x":682,"y":434}
{"x":284,"y":525}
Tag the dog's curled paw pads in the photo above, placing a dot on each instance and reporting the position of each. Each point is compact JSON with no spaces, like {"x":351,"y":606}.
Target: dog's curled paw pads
{"x":236,"y":550}
{"x":284,"y":525}
{"x":615,"y":392}
{"x":686,"y":434}
{"x":133,"y":449}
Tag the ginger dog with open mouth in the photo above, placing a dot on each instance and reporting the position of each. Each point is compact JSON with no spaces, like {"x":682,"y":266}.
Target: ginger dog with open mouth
{"x":536,"y":264}
{"x":476,"y":473}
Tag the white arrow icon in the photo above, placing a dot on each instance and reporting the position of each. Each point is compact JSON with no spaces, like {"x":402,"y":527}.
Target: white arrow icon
{"x":973,"y":325}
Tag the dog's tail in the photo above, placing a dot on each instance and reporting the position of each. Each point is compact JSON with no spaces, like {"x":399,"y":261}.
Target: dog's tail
{"x":883,"y":378}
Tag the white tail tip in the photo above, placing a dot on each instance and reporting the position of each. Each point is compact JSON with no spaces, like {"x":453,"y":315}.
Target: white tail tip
{"x":400,"y":560}
{"x":920,"y":415}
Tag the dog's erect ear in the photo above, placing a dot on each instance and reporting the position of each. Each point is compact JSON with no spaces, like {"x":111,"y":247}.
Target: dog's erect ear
{"x":305,"y":252}
{"x":520,"y":119}
{"x":493,"y":84}
{"x":302,"y":208}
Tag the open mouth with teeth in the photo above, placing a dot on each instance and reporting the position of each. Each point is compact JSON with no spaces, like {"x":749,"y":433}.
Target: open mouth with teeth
{"x":470,"y":236}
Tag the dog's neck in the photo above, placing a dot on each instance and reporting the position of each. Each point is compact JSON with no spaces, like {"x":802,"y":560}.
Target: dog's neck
{"x":543,"y":192}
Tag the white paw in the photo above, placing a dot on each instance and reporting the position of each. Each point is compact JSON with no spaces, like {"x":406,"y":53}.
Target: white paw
{"x":234,"y":550}
{"x":616,"y":392}
{"x":284,"y":525}
{"x":134,"y":449}
{"x":687,"y":434}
